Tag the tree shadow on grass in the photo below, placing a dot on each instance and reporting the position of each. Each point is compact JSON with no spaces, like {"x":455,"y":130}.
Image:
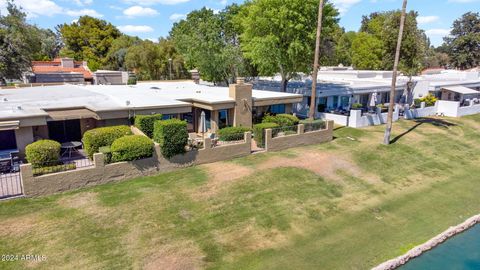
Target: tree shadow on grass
{"x":433,"y":121}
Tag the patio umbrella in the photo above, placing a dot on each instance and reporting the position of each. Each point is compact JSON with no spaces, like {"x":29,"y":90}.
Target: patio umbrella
{"x":373,"y":100}
{"x":203,"y":124}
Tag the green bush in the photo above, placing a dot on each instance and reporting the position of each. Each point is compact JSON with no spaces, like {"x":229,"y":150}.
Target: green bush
{"x":145,"y":123}
{"x":232,"y":133}
{"x":312,"y":125}
{"x":357,"y":106}
{"x":429,"y":100}
{"x":53,"y":169}
{"x":131,"y":147}
{"x":43,"y":152}
{"x":107,"y":153}
{"x":172,"y":135}
{"x":104,"y":136}
{"x":283,"y":120}
{"x":258,"y":131}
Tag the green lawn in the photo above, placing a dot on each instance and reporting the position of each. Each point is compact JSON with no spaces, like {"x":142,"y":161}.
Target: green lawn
{"x":348,"y":204}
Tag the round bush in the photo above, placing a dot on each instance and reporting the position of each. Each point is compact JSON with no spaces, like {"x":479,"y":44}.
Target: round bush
{"x":283,"y":120}
{"x":131,"y":147}
{"x":104,"y":136}
{"x":145,"y":123}
{"x":259,"y":134}
{"x":232,"y":133}
{"x":43,"y":153}
{"x":172,"y":135}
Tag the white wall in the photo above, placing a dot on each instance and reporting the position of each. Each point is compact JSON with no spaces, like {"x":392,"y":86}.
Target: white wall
{"x":356,"y":119}
{"x":337,"y":118}
{"x":448,"y":108}
{"x":469,"y":110}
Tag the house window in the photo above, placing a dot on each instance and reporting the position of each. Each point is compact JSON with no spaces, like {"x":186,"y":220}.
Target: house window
{"x":65,"y":131}
{"x":222,"y":118}
{"x":167,"y":116}
{"x":322,"y":104}
{"x":335,"y":102}
{"x":7,"y":140}
{"x":275,"y":109}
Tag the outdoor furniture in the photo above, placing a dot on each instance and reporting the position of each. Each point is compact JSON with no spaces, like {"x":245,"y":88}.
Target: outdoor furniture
{"x":69,"y":148}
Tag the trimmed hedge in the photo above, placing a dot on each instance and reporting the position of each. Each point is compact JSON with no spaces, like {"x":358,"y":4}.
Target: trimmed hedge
{"x":312,"y":125}
{"x":43,"y":153}
{"x":131,"y":147}
{"x":145,"y":123}
{"x":104,"y":136}
{"x":258,"y":131}
{"x":232,"y":133}
{"x":54,"y":169}
{"x":107,"y":153}
{"x":283,"y":120}
{"x":172,"y":135}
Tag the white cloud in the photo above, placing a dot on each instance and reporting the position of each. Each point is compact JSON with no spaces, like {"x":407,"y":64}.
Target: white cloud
{"x":83,"y":2}
{"x":135,"y":28}
{"x":344,"y":5}
{"x":437,"y":32}
{"x":223,"y":2}
{"x":153,"y":2}
{"x":175,"y":17}
{"x":83,"y":12}
{"x":427,"y":19}
{"x":35,"y":8}
{"x":137,"y":11}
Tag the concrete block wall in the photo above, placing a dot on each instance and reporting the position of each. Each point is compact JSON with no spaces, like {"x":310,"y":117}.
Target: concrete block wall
{"x":299,"y":139}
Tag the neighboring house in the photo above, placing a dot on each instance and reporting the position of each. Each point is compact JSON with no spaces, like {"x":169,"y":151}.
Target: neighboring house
{"x":109,"y":77}
{"x":60,"y":70}
{"x":63,"y":113}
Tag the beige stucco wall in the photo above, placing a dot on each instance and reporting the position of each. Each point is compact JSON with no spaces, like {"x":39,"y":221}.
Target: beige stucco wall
{"x":242,"y":94}
{"x":301,"y":138}
{"x":24,"y":137}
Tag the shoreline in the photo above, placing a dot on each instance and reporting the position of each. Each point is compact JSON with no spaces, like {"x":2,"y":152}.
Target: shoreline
{"x":430,"y":244}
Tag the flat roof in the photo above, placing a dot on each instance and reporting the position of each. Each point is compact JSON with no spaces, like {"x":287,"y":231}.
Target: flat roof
{"x":33,"y":101}
{"x":461,"y":90}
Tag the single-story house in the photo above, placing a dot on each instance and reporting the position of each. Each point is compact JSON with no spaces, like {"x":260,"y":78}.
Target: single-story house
{"x":64,"y":112}
{"x":59,"y":70}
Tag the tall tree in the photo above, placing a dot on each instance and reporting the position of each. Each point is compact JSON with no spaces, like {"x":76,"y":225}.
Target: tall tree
{"x":388,"y":128}
{"x":209,"y":42}
{"x":343,"y":48}
{"x":367,"y":52}
{"x":279,"y":36}
{"x":463,"y":44}
{"x":115,"y":58}
{"x":311,"y":113}
{"x":88,"y":39}
{"x":19,"y":42}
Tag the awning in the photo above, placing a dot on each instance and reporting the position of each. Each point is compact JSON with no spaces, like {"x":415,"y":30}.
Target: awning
{"x":59,"y":115}
{"x":9,"y":125}
{"x":461,"y":90}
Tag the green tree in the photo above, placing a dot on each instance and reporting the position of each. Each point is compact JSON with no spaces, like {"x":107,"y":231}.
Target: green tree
{"x":19,"y":42}
{"x":88,"y":39}
{"x":463,"y":44}
{"x":115,"y":58}
{"x":279,"y":36}
{"x":343,"y":48}
{"x":367,"y":51}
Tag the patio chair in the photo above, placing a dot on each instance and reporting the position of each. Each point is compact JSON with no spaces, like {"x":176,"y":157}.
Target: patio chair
{"x":5,"y":165}
{"x":214,"y":139}
{"x":16,"y":161}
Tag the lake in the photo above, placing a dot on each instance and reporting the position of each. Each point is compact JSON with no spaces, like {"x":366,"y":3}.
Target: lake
{"x":462,"y":252}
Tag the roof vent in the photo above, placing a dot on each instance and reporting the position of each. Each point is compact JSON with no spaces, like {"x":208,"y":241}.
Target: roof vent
{"x":154,"y":87}
{"x":198,"y":92}
{"x":5,"y":99}
{"x":19,"y":108}
{"x":127,"y":102}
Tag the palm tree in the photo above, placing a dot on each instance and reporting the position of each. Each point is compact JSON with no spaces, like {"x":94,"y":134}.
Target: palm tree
{"x":311,"y":113}
{"x":388,"y":129}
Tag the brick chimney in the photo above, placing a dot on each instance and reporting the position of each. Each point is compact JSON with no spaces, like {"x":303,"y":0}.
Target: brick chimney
{"x":241,"y":92}
{"x":67,"y":62}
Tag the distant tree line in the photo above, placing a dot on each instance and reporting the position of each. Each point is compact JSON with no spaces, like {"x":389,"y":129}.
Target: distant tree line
{"x":259,"y":37}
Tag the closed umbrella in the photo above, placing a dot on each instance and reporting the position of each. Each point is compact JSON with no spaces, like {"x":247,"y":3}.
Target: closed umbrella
{"x":373,"y":100}
{"x":203,"y":124}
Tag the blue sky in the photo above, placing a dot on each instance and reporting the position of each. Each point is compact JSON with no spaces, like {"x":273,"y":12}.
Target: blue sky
{"x":150,"y":19}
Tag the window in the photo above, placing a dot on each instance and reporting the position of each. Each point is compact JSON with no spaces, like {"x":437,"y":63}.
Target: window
{"x":7,"y":140}
{"x":167,"y":116}
{"x":65,"y":131}
{"x":275,"y":109}
{"x":335,"y":102}
{"x":222,"y":118}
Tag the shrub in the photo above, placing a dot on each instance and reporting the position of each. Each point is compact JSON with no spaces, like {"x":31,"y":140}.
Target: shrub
{"x":53,"y":169}
{"x":107,"y":153}
{"x":429,"y":100}
{"x":172,"y":135}
{"x":258,"y":131}
{"x":312,"y":125}
{"x":283,"y":120}
{"x":131,"y":147}
{"x":357,"y":106}
{"x":232,"y":133}
{"x":145,"y":123}
{"x":43,"y":152}
{"x":104,"y":136}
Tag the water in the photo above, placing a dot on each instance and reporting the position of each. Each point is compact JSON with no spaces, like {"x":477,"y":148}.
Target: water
{"x":461,"y":252}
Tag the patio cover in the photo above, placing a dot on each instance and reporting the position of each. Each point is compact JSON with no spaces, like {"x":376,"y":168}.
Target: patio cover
{"x":461,"y":90}
{"x":59,"y":115}
{"x":9,"y":125}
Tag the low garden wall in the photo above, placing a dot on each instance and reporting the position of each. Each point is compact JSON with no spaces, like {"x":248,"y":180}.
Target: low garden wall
{"x":357,"y":120}
{"x":423,"y":111}
{"x":337,"y":118}
{"x":299,"y":139}
{"x":469,"y":110}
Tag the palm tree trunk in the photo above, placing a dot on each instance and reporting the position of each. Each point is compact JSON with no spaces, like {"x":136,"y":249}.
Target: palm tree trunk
{"x":388,"y":129}
{"x":311,"y":113}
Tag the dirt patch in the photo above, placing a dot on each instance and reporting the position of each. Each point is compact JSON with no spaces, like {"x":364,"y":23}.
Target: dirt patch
{"x":84,"y":201}
{"x":321,"y":163}
{"x":19,"y":225}
{"x":220,"y":175}
{"x":182,"y":256}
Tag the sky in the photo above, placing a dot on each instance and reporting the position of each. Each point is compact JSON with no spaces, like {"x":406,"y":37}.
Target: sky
{"x":151,"y":19}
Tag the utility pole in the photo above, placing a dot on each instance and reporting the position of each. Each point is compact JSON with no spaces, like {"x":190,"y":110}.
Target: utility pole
{"x":388,"y":129}
{"x":311,"y":114}
{"x":170,"y":67}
